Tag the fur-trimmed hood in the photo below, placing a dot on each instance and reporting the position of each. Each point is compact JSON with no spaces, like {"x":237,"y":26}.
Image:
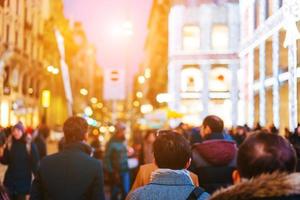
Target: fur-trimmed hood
{"x":274,"y":185}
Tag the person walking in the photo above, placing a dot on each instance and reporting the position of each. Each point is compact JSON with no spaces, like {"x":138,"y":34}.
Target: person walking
{"x":116,"y":163}
{"x":214,"y":159}
{"x":172,"y":154}
{"x":21,"y":157}
{"x":40,"y":139}
{"x":265,"y":170}
{"x":71,"y":173}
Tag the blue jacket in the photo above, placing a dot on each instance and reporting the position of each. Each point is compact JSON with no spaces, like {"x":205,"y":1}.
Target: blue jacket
{"x":21,"y":162}
{"x":167,"y":184}
{"x":115,"y":158}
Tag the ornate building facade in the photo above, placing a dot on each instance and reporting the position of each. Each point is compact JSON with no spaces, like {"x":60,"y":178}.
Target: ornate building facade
{"x":269,"y":50}
{"x":31,"y":62}
{"x":21,"y":67}
{"x":203,"y":62}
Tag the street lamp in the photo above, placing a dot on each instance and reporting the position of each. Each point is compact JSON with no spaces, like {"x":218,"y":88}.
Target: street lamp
{"x":141,"y":79}
{"x":139,"y":95}
{"x":94,"y":100}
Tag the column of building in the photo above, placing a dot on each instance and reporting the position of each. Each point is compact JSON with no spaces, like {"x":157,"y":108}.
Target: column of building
{"x":234,"y":92}
{"x":292,"y":61}
{"x":250,"y":65}
{"x":205,"y":67}
{"x":275,"y":69}
{"x":262,"y":67}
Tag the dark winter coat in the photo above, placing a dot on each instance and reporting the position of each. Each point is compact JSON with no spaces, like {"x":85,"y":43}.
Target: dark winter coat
{"x":213,"y":162}
{"x":70,"y":174}
{"x":276,"y":186}
{"x":41,"y":145}
{"x":21,"y":158}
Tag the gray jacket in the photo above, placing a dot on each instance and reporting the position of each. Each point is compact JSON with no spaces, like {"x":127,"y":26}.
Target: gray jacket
{"x":166,"y":184}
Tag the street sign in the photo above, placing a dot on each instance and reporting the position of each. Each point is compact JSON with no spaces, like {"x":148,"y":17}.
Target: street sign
{"x":114,"y":84}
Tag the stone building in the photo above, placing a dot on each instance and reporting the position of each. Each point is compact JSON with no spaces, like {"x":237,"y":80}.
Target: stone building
{"x":269,"y":50}
{"x":203,"y":60}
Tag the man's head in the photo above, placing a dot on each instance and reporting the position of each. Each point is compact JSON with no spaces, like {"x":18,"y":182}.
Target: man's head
{"x":75,"y":129}
{"x":212,"y":124}
{"x":265,"y":153}
{"x":120,"y":131}
{"x":172,"y":151}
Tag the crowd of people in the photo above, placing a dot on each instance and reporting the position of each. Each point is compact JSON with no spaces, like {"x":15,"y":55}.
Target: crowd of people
{"x":205,"y":162}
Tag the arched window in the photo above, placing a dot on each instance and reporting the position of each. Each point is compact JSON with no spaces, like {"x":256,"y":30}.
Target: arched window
{"x":191,"y":79}
{"x":220,"y":79}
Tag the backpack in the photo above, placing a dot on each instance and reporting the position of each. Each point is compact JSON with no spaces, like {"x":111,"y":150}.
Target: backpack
{"x":196,"y":193}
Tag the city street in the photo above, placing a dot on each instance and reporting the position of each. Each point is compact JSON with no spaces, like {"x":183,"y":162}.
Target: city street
{"x":177,"y":98}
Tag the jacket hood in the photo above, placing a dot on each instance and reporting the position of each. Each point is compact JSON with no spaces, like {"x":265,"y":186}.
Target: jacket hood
{"x":216,"y":152}
{"x":264,"y":186}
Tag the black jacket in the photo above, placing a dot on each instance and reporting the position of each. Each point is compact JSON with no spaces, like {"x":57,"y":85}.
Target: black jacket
{"x":276,"y":186}
{"x":70,"y":174}
{"x":21,"y":158}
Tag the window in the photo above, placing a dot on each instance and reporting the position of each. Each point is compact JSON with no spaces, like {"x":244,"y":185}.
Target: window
{"x":220,"y":79}
{"x":17,"y":7}
{"x":16,"y":39}
{"x":191,"y":37}
{"x":280,"y":3}
{"x":191,"y":79}
{"x":269,"y":8}
{"x":220,"y":37}
{"x":7,"y":34}
{"x":256,"y":14}
{"x":25,"y":45}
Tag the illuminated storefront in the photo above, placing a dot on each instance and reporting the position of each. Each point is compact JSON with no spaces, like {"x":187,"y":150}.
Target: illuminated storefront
{"x":203,"y":61}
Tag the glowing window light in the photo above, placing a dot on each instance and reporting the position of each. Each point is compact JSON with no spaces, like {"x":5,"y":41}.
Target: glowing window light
{"x":30,"y":90}
{"x":147,"y":73}
{"x":220,"y":37}
{"x":163,"y":97}
{"x":191,"y":37}
{"x":88,"y":111}
{"x":55,"y":71}
{"x":94,"y":100}
{"x":99,"y":105}
{"x":146,"y":108}
{"x":4,"y":113}
{"x":103,"y":129}
{"x":46,"y":97}
{"x":141,"y":79}
{"x":139,"y":95}
{"x":84,"y":91}
{"x":50,"y":68}
{"x":136,"y":103}
{"x":111,"y":129}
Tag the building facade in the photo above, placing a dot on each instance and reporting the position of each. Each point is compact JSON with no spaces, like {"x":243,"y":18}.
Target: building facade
{"x":31,"y":58}
{"x":270,"y":60}
{"x":21,"y":66}
{"x":203,"y":60}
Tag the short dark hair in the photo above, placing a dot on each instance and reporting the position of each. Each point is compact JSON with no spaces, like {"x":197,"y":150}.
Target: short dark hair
{"x":214,"y":122}
{"x":263,"y":152}
{"x":74,"y":129}
{"x":171,"y":150}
